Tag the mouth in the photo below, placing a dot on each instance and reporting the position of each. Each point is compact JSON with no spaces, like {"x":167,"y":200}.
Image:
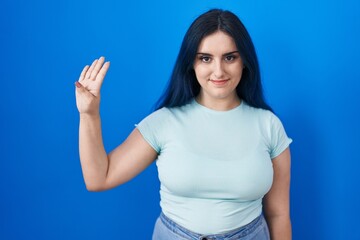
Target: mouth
{"x":219,"y":82}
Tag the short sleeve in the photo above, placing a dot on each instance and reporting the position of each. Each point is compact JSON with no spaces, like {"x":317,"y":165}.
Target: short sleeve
{"x":152,"y":128}
{"x":279,"y":140}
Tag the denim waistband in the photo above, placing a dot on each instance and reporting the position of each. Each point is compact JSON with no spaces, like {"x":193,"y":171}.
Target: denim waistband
{"x":231,"y":235}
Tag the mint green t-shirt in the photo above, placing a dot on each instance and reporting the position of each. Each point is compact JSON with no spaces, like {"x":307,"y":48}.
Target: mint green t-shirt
{"x":214,"y":166}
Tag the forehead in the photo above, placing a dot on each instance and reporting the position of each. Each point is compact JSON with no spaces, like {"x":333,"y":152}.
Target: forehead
{"x":217,"y":42}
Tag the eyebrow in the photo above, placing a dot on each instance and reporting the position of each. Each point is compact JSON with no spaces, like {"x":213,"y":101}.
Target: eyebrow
{"x":208,"y":54}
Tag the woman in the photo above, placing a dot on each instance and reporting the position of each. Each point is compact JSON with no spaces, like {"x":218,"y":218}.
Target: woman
{"x":222,"y":155}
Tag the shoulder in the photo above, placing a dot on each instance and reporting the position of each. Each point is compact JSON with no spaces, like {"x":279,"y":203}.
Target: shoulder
{"x":158,"y":114}
{"x":266,"y":120}
{"x":156,"y":118}
{"x":177,"y":112}
{"x":164,"y":115}
{"x":263,"y":115}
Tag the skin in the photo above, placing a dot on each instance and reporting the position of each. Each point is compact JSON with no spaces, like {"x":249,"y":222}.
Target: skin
{"x":218,"y":68}
{"x":214,"y":63}
{"x":102,"y":171}
{"x":277,"y":201}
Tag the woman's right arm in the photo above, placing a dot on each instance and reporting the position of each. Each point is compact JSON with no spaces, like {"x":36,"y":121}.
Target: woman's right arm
{"x":102,"y":171}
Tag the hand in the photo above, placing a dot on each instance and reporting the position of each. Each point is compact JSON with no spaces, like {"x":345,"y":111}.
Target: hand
{"x":89,"y":85}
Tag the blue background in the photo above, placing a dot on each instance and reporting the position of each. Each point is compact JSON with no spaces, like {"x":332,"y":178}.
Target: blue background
{"x":309,"y":56}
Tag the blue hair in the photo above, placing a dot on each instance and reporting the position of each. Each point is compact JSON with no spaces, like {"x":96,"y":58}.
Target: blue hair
{"x":183,"y":85}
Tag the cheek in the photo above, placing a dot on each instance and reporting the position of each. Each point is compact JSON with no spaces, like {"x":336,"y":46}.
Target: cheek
{"x":201,"y":72}
{"x":238,"y":71}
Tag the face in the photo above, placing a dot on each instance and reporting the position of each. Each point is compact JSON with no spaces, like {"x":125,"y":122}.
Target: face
{"x":218,"y":68}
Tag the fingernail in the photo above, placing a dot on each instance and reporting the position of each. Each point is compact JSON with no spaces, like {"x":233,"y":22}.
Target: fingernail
{"x":77,"y":84}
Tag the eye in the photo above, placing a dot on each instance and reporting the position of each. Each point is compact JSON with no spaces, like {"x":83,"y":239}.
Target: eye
{"x":230,"y":58}
{"x":205,"y":59}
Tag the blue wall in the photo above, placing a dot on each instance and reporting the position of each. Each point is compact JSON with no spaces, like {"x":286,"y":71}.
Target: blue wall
{"x":309,"y":55}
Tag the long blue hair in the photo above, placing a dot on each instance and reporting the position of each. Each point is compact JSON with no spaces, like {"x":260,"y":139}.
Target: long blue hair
{"x":183,"y":85}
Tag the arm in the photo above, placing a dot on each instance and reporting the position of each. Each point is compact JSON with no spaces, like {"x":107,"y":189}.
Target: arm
{"x":276,"y":201}
{"x":102,"y":171}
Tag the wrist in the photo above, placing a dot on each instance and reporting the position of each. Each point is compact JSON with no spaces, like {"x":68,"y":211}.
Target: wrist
{"x":89,"y":116}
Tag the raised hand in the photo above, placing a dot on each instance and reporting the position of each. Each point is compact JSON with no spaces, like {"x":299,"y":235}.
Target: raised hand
{"x":89,"y":85}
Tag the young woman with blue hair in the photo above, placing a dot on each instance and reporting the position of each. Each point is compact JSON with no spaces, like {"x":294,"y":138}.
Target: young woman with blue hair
{"x":222,"y":155}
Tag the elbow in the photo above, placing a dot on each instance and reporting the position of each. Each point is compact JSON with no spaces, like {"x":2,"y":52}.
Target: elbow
{"x":94,"y":187}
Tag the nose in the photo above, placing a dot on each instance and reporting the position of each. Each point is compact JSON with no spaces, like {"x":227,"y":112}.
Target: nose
{"x":218,"y":69}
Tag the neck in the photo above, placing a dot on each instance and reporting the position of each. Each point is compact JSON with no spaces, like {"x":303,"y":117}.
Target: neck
{"x":221,"y":104}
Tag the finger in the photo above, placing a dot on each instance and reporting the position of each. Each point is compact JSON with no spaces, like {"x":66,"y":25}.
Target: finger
{"x":83,"y":72}
{"x":82,"y":90}
{"x":78,"y":84}
{"x":97,"y":67}
{"x":100,"y":77}
{"x":88,"y":73}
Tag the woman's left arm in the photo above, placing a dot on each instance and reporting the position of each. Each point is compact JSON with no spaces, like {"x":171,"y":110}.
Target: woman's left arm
{"x":277,"y":200}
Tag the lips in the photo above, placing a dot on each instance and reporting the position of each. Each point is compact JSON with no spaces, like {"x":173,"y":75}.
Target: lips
{"x":219,"y":82}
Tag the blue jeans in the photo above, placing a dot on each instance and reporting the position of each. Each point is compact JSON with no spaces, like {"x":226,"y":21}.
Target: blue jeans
{"x":166,"y":229}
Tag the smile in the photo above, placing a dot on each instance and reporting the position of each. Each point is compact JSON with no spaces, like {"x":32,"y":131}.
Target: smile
{"x":219,"y":82}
